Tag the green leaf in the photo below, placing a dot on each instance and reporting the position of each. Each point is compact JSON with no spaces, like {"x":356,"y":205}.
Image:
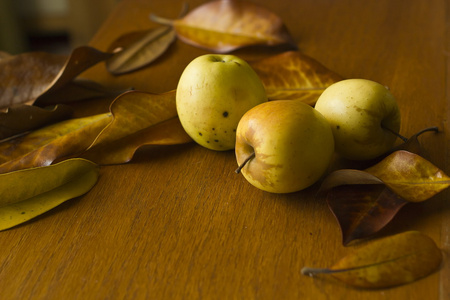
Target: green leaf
{"x":32,"y":192}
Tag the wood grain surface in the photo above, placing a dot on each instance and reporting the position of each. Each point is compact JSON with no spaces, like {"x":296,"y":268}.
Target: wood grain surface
{"x":178,"y":223}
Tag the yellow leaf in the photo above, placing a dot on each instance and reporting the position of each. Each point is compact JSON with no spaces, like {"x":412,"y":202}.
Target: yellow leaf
{"x":54,"y":142}
{"x":294,"y":76}
{"x":139,"y":119}
{"x":410,"y":176}
{"x":391,"y":261}
{"x":223,"y":26}
{"x":28,"y":193}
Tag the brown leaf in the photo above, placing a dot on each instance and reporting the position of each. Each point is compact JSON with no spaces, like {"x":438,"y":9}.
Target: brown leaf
{"x":34,"y":77}
{"x":138,"y":119}
{"x":360,"y":202}
{"x":363,"y":210}
{"x":140,"y":52}
{"x":43,"y":146}
{"x":363,"y":202}
{"x":410,"y":176}
{"x":78,"y":90}
{"x":391,"y":261}
{"x":22,"y":118}
{"x":293,"y":75}
{"x":24,"y":77}
{"x":223,"y":26}
{"x":81,"y":59}
{"x":169,"y":132}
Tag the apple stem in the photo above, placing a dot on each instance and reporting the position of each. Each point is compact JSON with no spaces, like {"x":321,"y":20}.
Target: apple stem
{"x":238,"y":170}
{"x":395,"y":133}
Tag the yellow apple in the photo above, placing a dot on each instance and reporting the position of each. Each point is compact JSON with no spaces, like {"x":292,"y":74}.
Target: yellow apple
{"x":213,"y":93}
{"x":283,"y":146}
{"x":363,"y":115}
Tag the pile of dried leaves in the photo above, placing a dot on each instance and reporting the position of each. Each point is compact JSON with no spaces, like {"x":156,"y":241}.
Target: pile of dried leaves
{"x":47,"y":156}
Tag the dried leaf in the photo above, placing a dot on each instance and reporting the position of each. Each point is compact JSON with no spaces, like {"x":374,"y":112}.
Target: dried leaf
{"x":363,"y":210}
{"x":391,"y":261}
{"x":33,"y":77}
{"x":223,"y":26}
{"x":25,"y":76}
{"x":139,"y":119}
{"x":81,"y":59}
{"x":32,"y":192}
{"x":22,"y":118}
{"x":363,"y":202}
{"x":360,"y":202}
{"x":410,"y":176}
{"x":76,"y":91}
{"x":293,"y":75}
{"x":169,"y":132}
{"x":141,"y":52}
{"x":43,"y":146}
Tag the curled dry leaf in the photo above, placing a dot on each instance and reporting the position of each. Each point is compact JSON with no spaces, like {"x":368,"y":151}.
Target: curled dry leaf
{"x":223,"y":26}
{"x":78,"y":90}
{"x":138,"y":119}
{"x":43,"y":146}
{"x":363,"y":210}
{"x":363,"y":202}
{"x":34,"y":77}
{"x":141,"y":52}
{"x":410,"y":176}
{"x":32,"y":192}
{"x":293,"y":75}
{"x":81,"y":59}
{"x":391,"y":261}
{"x":23,"y":118}
{"x":360,"y":202}
{"x":25,"y":76}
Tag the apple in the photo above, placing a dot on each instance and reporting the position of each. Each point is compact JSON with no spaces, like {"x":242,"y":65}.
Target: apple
{"x":213,"y":93}
{"x":283,"y":146}
{"x":363,"y":115}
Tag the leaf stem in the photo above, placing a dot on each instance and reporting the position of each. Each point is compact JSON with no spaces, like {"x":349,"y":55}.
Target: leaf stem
{"x":238,"y":170}
{"x":314,"y":271}
{"x":161,"y":20}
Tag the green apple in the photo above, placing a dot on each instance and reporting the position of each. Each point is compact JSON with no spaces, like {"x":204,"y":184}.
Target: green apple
{"x":283,"y":146}
{"x":363,"y":115}
{"x":213,"y":93}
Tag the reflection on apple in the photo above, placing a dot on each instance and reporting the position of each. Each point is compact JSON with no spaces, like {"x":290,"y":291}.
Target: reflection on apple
{"x":213,"y":93}
{"x":363,"y":115}
{"x":283,"y":146}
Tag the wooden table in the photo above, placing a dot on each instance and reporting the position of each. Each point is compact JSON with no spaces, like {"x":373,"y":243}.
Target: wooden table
{"x":177,"y":223}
